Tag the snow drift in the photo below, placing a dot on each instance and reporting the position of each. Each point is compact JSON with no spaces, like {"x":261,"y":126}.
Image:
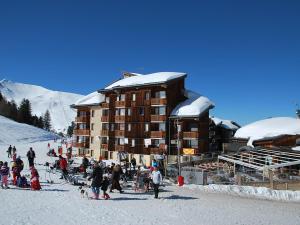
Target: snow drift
{"x":58,"y":103}
{"x":13,"y":132}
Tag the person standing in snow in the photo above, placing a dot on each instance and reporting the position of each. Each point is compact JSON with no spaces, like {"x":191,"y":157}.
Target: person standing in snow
{"x":1,"y":164}
{"x":156,"y":179}
{"x":133,"y":164}
{"x":63,"y":164}
{"x":9,"y":151}
{"x":97,"y":177}
{"x":116,"y":174}
{"x":31,"y":155}
{"x":104,"y":188}
{"x":4,"y":171}
{"x":34,"y":180}
{"x":14,"y":150}
{"x":85,"y":164}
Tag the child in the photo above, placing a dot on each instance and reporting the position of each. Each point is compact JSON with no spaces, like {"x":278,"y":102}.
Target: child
{"x":104,"y":187}
{"x":34,"y":181}
{"x":4,"y":171}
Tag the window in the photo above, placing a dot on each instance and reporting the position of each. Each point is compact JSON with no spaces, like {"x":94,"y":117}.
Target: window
{"x":129,"y":112}
{"x":119,"y":141}
{"x":134,"y":97}
{"x":117,"y":112}
{"x":92,"y":153}
{"x":192,"y":143}
{"x":129,"y":127}
{"x":158,"y":142}
{"x":92,"y":140}
{"x":141,"y":111}
{"x":92,"y":126}
{"x":107,"y":99}
{"x":122,"y":112}
{"x":112,"y":127}
{"x":121,"y":97}
{"x":105,"y":112}
{"x":133,"y":143}
{"x":93,"y":112}
{"x":104,"y":140}
{"x":161,"y":110}
{"x":82,"y":126}
{"x":105,"y":126}
{"x":122,"y":126}
{"x":160,"y":94}
{"x":146,"y":127}
{"x":147,"y":96}
{"x":162,"y":127}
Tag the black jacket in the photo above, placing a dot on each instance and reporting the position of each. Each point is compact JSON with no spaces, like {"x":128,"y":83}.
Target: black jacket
{"x":97,"y":177}
{"x":30,"y":154}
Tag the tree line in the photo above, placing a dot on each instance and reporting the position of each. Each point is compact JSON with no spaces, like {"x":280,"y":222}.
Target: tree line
{"x":23,"y":113}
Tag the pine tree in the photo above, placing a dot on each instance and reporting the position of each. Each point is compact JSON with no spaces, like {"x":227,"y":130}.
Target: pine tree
{"x":47,"y":120}
{"x":70,"y":129}
{"x":25,"y":112}
{"x":41,"y":122}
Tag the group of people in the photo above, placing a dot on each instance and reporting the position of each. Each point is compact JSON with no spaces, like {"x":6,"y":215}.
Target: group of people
{"x":17,"y":167}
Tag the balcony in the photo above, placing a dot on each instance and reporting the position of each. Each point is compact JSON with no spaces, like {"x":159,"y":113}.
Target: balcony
{"x":158,"y":118}
{"x":81,"y":145}
{"x":105,"y":133}
{"x":120,"y":104}
{"x":158,"y":150}
{"x":105,"y":105}
{"x":104,"y":146}
{"x":158,"y":134}
{"x":81,"y":132}
{"x":158,"y":101}
{"x":105,"y":119}
{"x":119,"y":133}
{"x":120,"y":119}
{"x":82,"y":119}
{"x":121,"y":148}
{"x":191,"y":135}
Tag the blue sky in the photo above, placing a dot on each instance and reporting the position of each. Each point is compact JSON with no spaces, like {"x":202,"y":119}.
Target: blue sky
{"x":243,"y":55}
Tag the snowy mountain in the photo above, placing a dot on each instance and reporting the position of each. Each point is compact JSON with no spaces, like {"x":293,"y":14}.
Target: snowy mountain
{"x":58,"y":103}
{"x":13,"y":133}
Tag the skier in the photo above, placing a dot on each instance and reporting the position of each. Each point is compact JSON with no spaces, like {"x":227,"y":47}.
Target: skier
{"x":17,"y":168}
{"x":116,"y":173}
{"x":9,"y":151}
{"x":104,"y":188}
{"x":14,"y":150}
{"x":4,"y":171}
{"x":34,"y":180}
{"x":31,"y":155}
{"x":63,"y":164}
{"x":156,"y":179}
{"x":97,"y":180}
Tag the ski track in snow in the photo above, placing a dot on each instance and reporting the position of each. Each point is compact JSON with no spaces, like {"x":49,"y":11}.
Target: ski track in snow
{"x":61,"y":203}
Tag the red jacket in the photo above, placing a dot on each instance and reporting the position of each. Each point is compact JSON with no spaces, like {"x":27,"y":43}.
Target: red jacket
{"x":63,"y":164}
{"x":34,"y":173}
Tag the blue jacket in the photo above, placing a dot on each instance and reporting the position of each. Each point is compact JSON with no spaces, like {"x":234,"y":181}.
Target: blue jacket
{"x":4,"y":171}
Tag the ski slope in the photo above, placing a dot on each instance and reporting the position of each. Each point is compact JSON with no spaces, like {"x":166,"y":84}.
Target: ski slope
{"x":58,"y":103}
{"x":61,"y":203}
{"x":12,"y":133}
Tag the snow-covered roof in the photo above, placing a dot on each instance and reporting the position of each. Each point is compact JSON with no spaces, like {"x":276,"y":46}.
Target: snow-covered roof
{"x":269,"y":128}
{"x":227,"y":124}
{"x":194,"y":105}
{"x":153,"y":78}
{"x":90,"y":99}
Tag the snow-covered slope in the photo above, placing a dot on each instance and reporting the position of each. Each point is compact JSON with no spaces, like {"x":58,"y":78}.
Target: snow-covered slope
{"x":12,"y":133}
{"x":269,"y":128}
{"x":58,"y":103}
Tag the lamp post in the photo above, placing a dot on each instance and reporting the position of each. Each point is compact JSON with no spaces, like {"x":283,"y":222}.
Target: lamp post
{"x":178,"y":147}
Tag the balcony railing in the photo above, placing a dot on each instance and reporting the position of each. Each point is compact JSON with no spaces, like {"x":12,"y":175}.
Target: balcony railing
{"x":158,"y":134}
{"x":81,"y":132}
{"x":119,"y":118}
{"x":105,"y":119}
{"x":81,"y":145}
{"x":120,"y":104}
{"x":158,"y":118}
{"x":104,"y":146}
{"x":119,"y":133}
{"x":105,"y":105}
{"x":81,"y":119}
{"x":120,"y":148}
{"x":191,"y":135}
{"x":104,"y":132}
{"x":158,"y":101}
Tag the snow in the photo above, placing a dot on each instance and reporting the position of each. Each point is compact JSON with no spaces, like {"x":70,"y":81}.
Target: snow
{"x":91,"y":99}
{"x":58,"y":103}
{"x":250,"y":192}
{"x":269,"y":128}
{"x":13,"y":132}
{"x":60,"y":203}
{"x":227,"y":124}
{"x":296,"y":148}
{"x":153,"y":78}
{"x":194,"y":105}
